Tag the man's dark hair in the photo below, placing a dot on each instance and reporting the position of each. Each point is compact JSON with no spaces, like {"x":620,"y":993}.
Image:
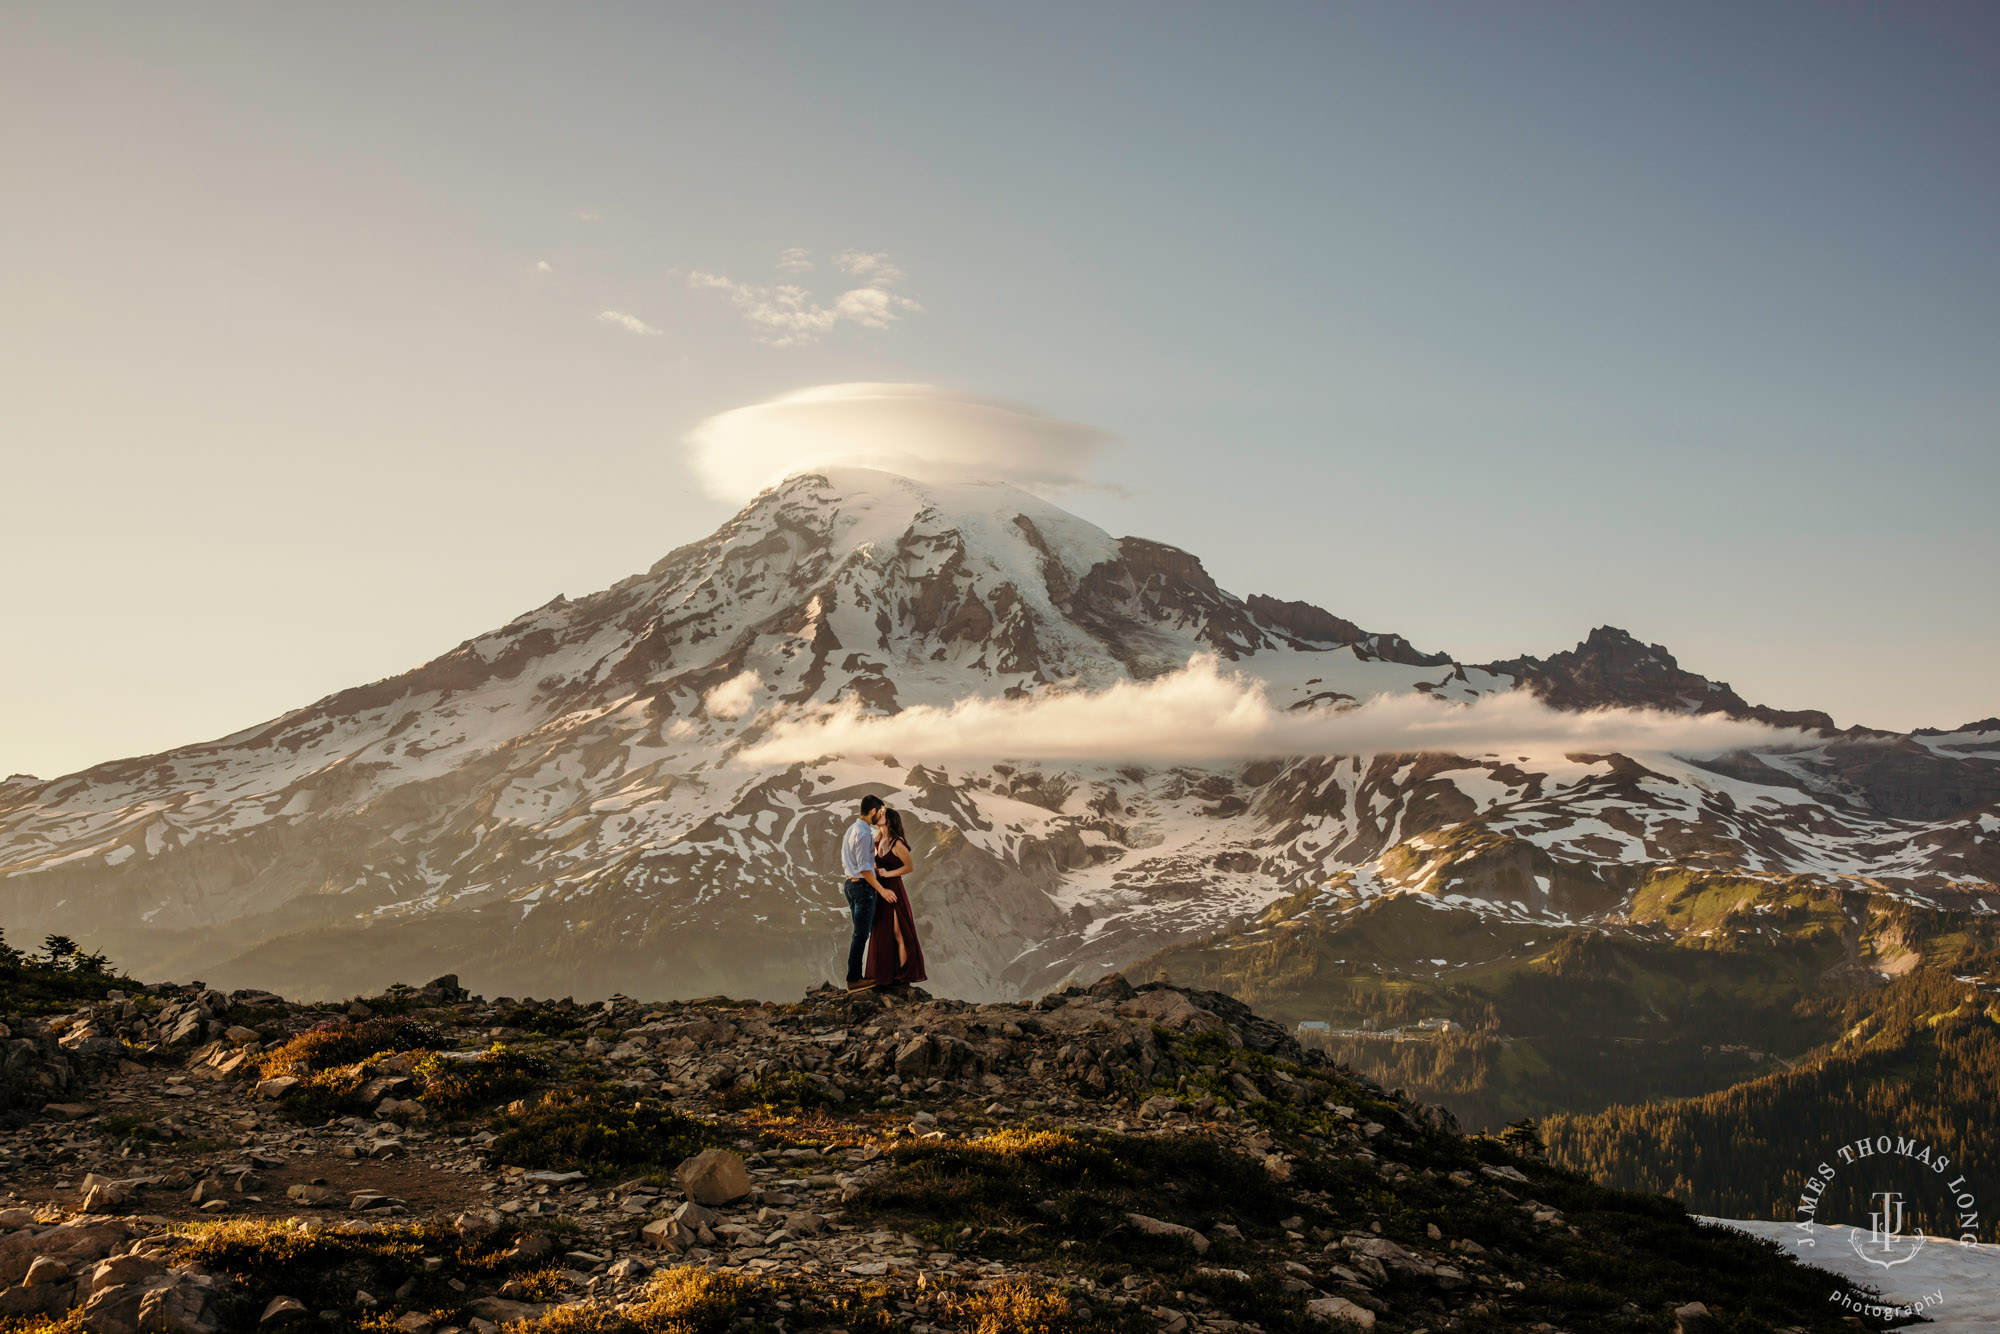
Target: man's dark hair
{"x":869,"y":805}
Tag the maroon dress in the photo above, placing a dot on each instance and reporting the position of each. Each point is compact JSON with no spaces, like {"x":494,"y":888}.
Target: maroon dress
{"x":882,"y":965}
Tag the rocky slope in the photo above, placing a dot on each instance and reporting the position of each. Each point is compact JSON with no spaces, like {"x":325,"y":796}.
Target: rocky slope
{"x":1103,"y":1159}
{"x":549,"y":802}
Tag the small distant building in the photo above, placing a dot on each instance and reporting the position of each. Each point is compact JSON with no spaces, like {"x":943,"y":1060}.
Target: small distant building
{"x":1314,"y":1026}
{"x":1435,"y":1025}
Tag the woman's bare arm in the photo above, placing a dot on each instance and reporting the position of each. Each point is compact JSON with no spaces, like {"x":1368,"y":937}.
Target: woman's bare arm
{"x":904,"y":855}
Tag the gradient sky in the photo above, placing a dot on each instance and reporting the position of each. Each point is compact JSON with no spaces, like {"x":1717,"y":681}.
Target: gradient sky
{"x":1481,"y":323}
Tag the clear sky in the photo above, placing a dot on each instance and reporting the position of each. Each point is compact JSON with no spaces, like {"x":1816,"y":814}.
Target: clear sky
{"x":331,"y":336}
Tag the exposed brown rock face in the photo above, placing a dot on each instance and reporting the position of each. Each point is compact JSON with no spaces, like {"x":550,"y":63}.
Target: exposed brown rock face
{"x":1610,"y":667}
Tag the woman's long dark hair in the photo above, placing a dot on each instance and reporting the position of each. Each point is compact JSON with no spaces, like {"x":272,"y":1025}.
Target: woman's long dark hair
{"x":895,"y":823}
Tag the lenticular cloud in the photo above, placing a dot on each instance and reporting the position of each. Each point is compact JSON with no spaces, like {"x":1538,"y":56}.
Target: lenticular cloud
{"x":1203,"y":715}
{"x":917,"y":430}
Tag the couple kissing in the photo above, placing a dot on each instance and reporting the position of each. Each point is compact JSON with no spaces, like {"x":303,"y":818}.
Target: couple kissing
{"x":875,"y":857}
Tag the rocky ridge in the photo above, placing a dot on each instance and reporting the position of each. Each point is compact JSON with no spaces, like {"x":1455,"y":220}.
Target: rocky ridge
{"x":1104,"y":1158}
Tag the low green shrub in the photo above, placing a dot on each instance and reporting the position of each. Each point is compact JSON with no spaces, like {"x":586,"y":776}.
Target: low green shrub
{"x":599,"y":1132}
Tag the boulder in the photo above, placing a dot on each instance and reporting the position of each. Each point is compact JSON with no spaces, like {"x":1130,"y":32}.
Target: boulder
{"x":913,"y":1058}
{"x":1340,"y":1311}
{"x":278,"y":1087}
{"x":119,"y":1271}
{"x":471,"y":1226}
{"x":13,"y":1218}
{"x":1160,"y":1105}
{"x":282,"y":1311}
{"x":714,"y":1176}
{"x":695,"y":1216}
{"x":238,"y":1036}
{"x":1694,"y":1318}
{"x":1112,"y":986}
{"x":105,"y":1198}
{"x":114,"y":1309}
{"x":46,"y":1269}
{"x":1158,"y":1227}
{"x":1170,"y":1009}
{"x":30,"y":1299}
{"x":69,"y":1111}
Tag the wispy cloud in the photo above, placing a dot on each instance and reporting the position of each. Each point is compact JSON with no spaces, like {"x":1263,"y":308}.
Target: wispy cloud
{"x":1203,"y":715}
{"x":584,"y":215}
{"x":543,"y":266}
{"x":918,"y":430}
{"x":871,"y":265}
{"x":790,"y":315}
{"x":629,"y":323}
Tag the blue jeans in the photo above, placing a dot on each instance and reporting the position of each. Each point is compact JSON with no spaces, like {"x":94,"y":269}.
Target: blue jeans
{"x":860,"y":907}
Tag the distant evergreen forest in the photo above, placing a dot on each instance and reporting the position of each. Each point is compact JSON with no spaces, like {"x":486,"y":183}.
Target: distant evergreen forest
{"x":1918,"y":1059}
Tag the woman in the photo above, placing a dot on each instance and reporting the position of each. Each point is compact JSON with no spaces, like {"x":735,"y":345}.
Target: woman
{"x":895,"y":958}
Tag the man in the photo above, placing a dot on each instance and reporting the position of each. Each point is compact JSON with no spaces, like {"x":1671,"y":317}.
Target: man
{"x":857,"y":860}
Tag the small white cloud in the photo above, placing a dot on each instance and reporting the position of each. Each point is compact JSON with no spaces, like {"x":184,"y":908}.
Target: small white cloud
{"x":795,"y":260}
{"x":1202,"y":715}
{"x":543,"y":266}
{"x":584,"y":215}
{"x":873,"y":308}
{"x":918,"y":430}
{"x":787,"y":315}
{"x":629,"y":323}
{"x":734,"y":697}
{"x":872,"y":265}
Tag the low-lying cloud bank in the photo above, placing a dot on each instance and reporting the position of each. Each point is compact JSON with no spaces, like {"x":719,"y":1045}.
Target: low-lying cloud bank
{"x":917,"y":430}
{"x":1202,"y":714}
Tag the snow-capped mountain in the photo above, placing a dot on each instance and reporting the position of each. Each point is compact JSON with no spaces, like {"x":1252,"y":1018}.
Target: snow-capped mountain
{"x":550,"y":807}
